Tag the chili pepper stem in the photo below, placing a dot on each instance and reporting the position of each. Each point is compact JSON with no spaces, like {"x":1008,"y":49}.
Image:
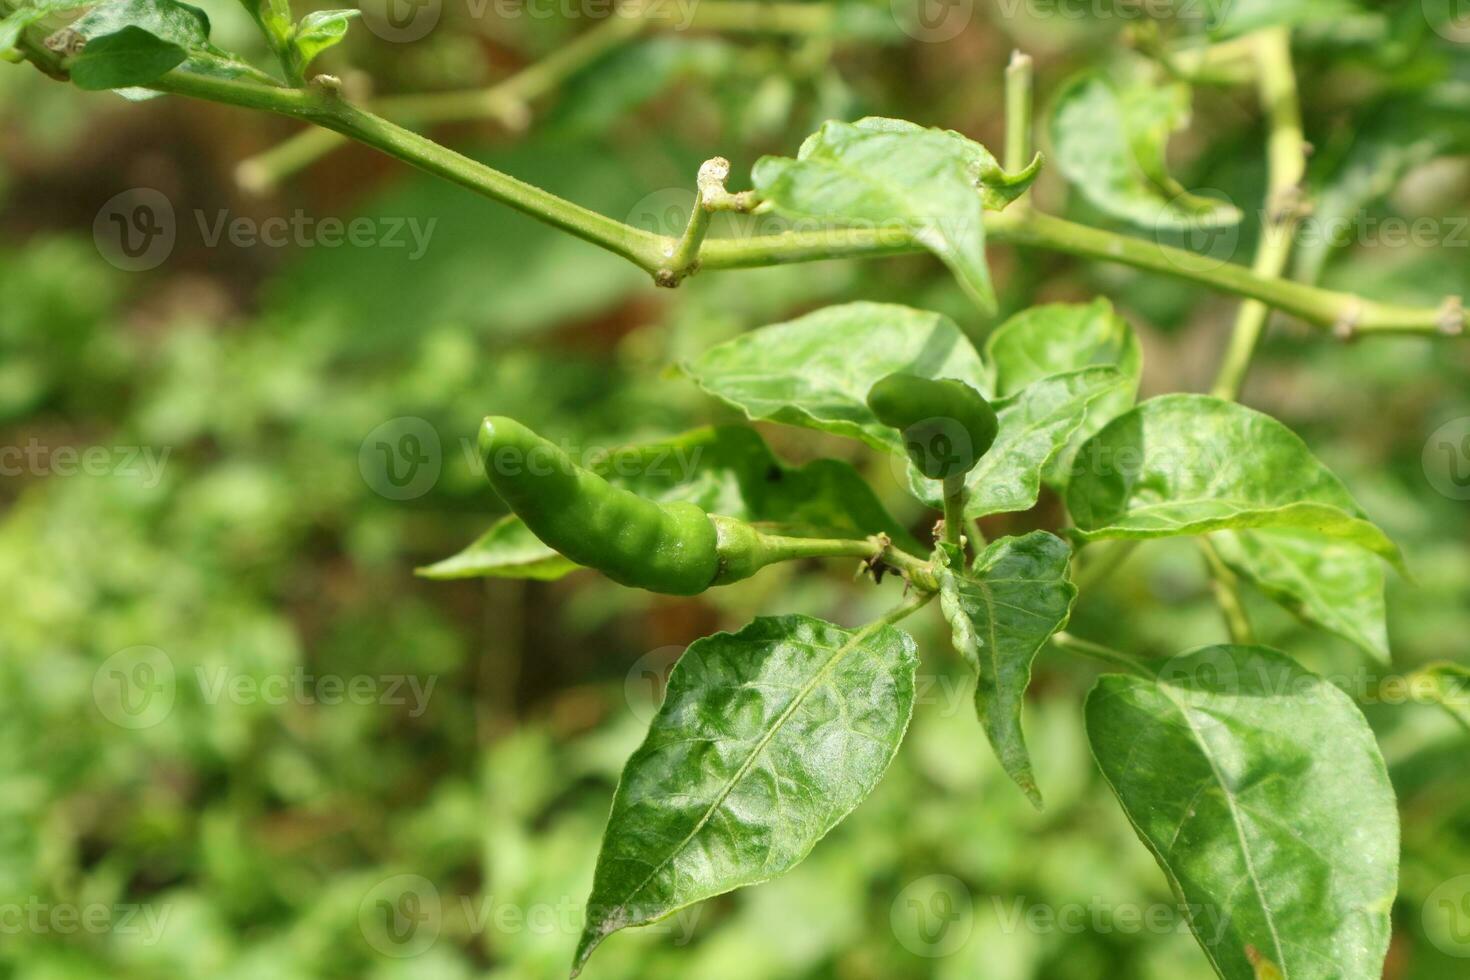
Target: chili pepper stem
{"x":1018,"y":111}
{"x":954,"y":509}
{"x":1227,"y":594}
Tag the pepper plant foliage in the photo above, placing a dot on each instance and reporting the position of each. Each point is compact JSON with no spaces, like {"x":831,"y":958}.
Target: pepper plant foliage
{"x":1257,"y":785}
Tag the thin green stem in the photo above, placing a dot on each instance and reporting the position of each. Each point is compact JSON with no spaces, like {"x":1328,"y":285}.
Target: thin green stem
{"x":1028,"y":227}
{"x":1286,"y":166}
{"x":710,"y":196}
{"x":1102,"y":654}
{"x":1019,"y":100}
{"x":954,"y":509}
{"x":1227,"y":594}
{"x":328,"y":110}
{"x":920,"y":573}
{"x":905,"y":609}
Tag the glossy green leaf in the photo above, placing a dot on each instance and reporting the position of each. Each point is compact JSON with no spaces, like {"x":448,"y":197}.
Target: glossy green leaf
{"x":878,"y":175}
{"x":1336,"y":586}
{"x":1262,"y":794}
{"x":726,"y":470}
{"x":125,"y":44}
{"x":997,"y":187}
{"x":815,"y":371}
{"x":766,"y":739}
{"x":168,"y":20}
{"x":319,"y":30}
{"x":1001,"y":611}
{"x":129,"y":57}
{"x":1191,"y":464}
{"x":1059,"y":338}
{"x":1110,"y":143}
{"x":1036,"y":424}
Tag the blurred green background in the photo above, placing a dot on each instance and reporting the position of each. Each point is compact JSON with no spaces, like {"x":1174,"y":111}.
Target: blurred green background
{"x":192,"y":468}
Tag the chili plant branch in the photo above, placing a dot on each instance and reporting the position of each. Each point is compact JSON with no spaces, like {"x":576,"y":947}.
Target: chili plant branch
{"x":323,"y":106}
{"x":1286,"y":166}
{"x":1227,"y":594}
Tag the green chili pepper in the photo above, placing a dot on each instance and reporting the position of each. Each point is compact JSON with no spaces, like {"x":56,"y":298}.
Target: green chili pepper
{"x":673,"y":548}
{"x":947,"y":425}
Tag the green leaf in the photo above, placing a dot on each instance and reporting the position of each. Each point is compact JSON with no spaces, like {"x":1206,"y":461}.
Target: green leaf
{"x":1336,"y":586}
{"x":766,"y":739}
{"x":997,"y":187}
{"x":1110,"y":143}
{"x":129,"y":43}
{"x":319,"y":30}
{"x":1001,"y":611}
{"x":1447,"y":685}
{"x":129,"y":57}
{"x":168,"y":20}
{"x":1036,"y":424}
{"x":885,"y":174}
{"x":815,"y":371}
{"x":1045,"y":341}
{"x":1191,"y":464}
{"x":727,"y":470}
{"x":1262,"y":794}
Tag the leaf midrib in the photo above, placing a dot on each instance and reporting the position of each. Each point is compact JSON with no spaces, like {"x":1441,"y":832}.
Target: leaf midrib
{"x":837,"y":657}
{"x":1235,"y":818}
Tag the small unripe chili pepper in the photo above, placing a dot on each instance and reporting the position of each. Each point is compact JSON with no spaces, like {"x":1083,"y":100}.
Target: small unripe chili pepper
{"x":947,"y":425}
{"x":670,"y":548}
